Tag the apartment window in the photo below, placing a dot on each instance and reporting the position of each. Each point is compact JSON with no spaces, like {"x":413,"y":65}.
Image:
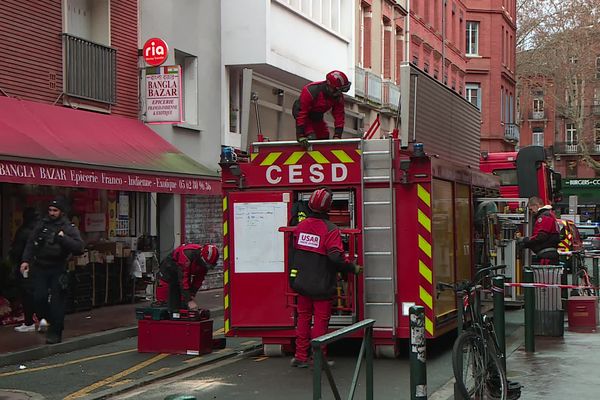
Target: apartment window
{"x":189,"y":83}
{"x":473,"y":94}
{"x":573,"y":60}
{"x":571,"y":134}
{"x":538,"y":105}
{"x":324,"y":12}
{"x":502,"y":116}
{"x":598,"y":67}
{"x":571,"y":169}
{"x":415,"y":60}
{"x":88,"y":20}
{"x":472,"y":42}
{"x":537,"y":137}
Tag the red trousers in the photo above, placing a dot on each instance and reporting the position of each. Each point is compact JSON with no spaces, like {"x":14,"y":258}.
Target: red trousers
{"x":316,"y":130}
{"x":306,"y":308}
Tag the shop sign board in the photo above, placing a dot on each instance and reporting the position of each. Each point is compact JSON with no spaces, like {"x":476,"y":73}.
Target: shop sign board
{"x":55,"y":175}
{"x":163,"y":95}
{"x":155,"y":51}
{"x":582,"y":182}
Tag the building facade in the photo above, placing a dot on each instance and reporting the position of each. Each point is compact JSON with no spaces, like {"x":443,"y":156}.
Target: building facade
{"x":490,"y":84}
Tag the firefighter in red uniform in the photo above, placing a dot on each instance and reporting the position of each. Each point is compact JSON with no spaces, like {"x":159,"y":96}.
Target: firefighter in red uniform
{"x":182,"y":272}
{"x":315,"y":100}
{"x":546,"y":233}
{"x":316,"y":257}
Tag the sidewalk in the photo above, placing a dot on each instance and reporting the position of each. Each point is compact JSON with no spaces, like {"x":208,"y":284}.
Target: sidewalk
{"x":88,"y":328}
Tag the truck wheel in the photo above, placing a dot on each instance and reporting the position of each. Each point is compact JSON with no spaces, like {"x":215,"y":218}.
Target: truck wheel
{"x":273,"y":350}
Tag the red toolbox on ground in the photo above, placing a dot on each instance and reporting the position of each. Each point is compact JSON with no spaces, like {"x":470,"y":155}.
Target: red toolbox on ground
{"x":583,"y":313}
{"x":175,"y":337}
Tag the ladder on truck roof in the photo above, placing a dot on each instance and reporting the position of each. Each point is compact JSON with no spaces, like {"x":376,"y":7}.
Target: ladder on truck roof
{"x":379,"y":233}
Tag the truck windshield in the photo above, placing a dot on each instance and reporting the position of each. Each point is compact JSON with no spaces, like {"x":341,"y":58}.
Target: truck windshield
{"x":508,"y":177}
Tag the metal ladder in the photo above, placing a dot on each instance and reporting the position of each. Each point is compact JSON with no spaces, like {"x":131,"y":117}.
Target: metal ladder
{"x":379,"y":233}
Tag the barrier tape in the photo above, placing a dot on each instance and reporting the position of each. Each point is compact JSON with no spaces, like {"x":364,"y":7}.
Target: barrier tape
{"x":547,"y":285}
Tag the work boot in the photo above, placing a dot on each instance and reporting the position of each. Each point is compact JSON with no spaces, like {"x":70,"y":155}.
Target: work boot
{"x":298,"y":363}
{"x":53,"y":338}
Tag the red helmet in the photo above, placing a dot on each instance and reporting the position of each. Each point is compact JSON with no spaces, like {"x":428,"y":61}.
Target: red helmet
{"x":320,"y":200}
{"x":210,"y":254}
{"x":338,"y":80}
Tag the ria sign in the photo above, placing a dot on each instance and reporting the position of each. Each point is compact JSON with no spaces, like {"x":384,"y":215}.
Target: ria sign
{"x":155,"y":51}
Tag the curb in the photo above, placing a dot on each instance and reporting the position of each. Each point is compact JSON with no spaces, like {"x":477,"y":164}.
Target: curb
{"x":238,"y":352}
{"x":76,"y":343}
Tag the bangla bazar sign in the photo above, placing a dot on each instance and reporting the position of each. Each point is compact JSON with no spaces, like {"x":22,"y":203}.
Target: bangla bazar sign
{"x":163,"y":95}
{"x":582,"y":182}
{"x":38,"y":174}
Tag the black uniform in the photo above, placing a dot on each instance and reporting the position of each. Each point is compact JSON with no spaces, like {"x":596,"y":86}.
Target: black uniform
{"x":47,"y":253}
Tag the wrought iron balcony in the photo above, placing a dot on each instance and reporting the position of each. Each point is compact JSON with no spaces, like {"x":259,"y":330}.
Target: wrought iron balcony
{"x":90,"y":70}
{"x":511,"y":133}
{"x":391,"y":95}
{"x":537,"y":115}
{"x":566,"y":148}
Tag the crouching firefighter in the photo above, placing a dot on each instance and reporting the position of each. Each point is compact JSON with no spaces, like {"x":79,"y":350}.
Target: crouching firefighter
{"x":182,"y":273}
{"x":316,"y":256}
{"x":546,"y":233}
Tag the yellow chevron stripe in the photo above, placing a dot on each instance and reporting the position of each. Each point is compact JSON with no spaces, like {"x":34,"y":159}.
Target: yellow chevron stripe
{"x":253,"y":156}
{"x":426,"y":297}
{"x":294,"y":158}
{"x":318,"y":157}
{"x":424,"y":220}
{"x":424,"y":195}
{"x":425,"y":271}
{"x":225,"y":277}
{"x":226,"y":327}
{"x":358,"y":151}
{"x":271,"y":158}
{"x":225,"y":228}
{"x":225,"y":252}
{"x":429,"y":326}
{"x":224,"y":204}
{"x":425,"y":246}
{"x":226,"y":301}
{"x":342,"y":156}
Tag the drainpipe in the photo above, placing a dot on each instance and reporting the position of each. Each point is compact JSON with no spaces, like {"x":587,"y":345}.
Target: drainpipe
{"x":407,"y":33}
{"x":443,"y":40}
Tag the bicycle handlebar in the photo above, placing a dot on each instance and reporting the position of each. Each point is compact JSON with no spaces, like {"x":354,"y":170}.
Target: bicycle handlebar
{"x":464,"y":285}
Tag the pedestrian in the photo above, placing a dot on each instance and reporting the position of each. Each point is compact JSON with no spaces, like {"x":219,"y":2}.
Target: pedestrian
{"x":316,"y":98}
{"x":24,"y":285}
{"x":546,"y":233}
{"x":317,"y":256}
{"x":46,"y":254}
{"x":182,"y":273}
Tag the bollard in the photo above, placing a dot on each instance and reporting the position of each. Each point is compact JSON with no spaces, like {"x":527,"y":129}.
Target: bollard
{"x":418,"y":369}
{"x":529,"y":312}
{"x":595,"y":272}
{"x":499,"y":323}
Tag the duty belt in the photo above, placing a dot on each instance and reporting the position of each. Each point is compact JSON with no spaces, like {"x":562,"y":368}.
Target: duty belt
{"x":546,"y":250}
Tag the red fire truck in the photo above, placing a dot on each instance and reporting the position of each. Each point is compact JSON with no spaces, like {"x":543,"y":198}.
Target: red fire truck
{"x":523,"y":174}
{"x":406,"y":215}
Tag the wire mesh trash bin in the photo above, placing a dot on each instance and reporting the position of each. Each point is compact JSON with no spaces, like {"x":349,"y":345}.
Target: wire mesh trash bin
{"x":549,"y":312}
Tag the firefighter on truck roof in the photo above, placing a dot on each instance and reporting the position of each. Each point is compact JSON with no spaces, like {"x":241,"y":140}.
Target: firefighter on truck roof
{"x":315,"y":100}
{"x":316,"y":256}
{"x":182,"y":273}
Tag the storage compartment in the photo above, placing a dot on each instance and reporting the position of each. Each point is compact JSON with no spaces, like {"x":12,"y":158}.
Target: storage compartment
{"x":583,"y":313}
{"x":175,"y":337}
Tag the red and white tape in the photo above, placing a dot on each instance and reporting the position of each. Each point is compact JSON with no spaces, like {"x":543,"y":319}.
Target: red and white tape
{"x":547,"y":285}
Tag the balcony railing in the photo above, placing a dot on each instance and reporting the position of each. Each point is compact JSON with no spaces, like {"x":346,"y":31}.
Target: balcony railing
{"x":360,"y":82}
{"x":90,"y":70}
{"x":596,"y":109}
{"x":373,"y":87}
{"x":368,"y":86}
{"x":391,"y":95}
{"x":511,"y":133}
{"x":537,"y":115}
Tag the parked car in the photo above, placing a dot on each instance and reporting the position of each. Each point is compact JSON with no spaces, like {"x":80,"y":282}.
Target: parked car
{"x":590,"y":235}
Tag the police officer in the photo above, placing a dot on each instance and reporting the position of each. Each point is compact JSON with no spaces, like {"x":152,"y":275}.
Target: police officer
{"x":46,"y":252}
{"x":317,"y":256}
{"x":315,"y":100}
{"x":546,"y":233}
{"x":182,"y":273}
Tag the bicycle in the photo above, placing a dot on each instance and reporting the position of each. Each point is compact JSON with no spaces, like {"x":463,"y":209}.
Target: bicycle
{"x":583,"y":278}
{"x":477,"y":360}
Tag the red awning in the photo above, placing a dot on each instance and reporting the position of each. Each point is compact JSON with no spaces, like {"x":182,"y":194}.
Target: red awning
{"x":55,"y":145}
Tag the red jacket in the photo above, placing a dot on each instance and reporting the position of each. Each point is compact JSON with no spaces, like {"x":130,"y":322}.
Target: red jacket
{"x":190,"y":272}
{"x":314,"y":102}
{"x":546,"y":232}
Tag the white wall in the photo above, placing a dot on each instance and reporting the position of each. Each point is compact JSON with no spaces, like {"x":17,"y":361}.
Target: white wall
{"x":192,"y":26}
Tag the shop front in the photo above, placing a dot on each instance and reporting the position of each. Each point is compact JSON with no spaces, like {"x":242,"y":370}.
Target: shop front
{"x":587,"y":191}
{"x":133,"y":196}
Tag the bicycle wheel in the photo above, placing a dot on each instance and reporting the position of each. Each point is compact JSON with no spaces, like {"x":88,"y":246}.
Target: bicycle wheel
{"x":474,"y":379}
{"x":468,"y":364}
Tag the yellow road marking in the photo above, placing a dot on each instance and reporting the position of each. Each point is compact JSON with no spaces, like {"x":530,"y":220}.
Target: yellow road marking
{"x":249,"y":342}
{"x":158,"y":371}
{"x":258,"y":359}
{"x":24,"y":371}
{"x":123,"y":382}
{"x":104,"y":382}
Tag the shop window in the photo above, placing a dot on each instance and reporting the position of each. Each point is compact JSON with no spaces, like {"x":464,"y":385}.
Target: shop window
{"x":189,"y":89}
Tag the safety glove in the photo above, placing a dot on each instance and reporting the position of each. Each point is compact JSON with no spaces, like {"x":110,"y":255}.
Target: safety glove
{"x":303,"y":142}
{"x":358,"y":269}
